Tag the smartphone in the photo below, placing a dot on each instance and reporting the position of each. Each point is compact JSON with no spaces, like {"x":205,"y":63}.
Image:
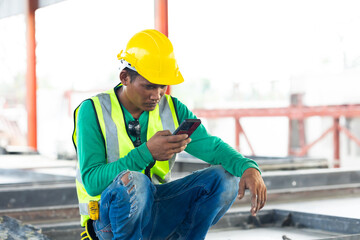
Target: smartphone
{"x":188,"y":126}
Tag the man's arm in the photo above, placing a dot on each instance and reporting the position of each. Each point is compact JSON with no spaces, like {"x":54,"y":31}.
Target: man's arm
{"x":214,"y":151}
{"x":95,"y":172}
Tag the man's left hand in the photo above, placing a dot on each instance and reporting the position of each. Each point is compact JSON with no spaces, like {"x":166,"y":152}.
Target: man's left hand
{"x":252,"y":180}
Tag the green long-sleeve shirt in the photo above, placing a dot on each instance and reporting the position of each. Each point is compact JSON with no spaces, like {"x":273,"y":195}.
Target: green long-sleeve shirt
{"x":97,"y":174}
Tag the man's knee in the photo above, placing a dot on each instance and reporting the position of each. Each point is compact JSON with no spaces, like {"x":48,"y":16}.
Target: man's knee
{"x":126,"y":201}
{"x":227,"y":183}
{"x":138,"y":185}
{"x":130,"y":182}
{"x":136,"y":178}
{"x":125,"y":178}
{"x":133,"y":189}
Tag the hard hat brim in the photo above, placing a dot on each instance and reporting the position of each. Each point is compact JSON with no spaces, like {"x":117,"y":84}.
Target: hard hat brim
{"x":164,"y":81}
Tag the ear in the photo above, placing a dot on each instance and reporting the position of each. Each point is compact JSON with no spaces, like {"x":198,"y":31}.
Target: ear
{"x":124,"y":77}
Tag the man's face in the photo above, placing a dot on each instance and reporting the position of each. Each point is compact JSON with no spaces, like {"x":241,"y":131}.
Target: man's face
{"x":144,"y":95}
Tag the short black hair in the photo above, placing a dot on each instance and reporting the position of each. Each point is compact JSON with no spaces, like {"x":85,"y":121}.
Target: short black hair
{"x":133,"y":74}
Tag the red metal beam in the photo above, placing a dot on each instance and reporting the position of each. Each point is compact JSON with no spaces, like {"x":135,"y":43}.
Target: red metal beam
{"x":297,"y":112}
{"x":161,"y":16}
{"x":239,"y":130}
{"x":246,"y":139}
{"x":290,"y":112}
{"x":304,"y":150}
{"x":336,"y":142}
{"x":237,"y":134}
{"x":349,"y":135}
{"x":161,"y":22}
{"x":290,"y":149}
{"x":32,"y":5}
{"x":296,"y":100}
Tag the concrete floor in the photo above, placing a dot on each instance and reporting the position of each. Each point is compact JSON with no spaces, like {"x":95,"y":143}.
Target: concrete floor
{"x":346,"y":206}
{"x":341,"y":206}
{"x":274,"y":233}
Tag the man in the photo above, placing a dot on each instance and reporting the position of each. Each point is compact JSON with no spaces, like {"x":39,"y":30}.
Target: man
{"x":126,"y":151}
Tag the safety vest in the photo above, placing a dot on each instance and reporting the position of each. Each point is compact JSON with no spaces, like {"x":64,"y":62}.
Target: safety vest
{"x":118,"y":143}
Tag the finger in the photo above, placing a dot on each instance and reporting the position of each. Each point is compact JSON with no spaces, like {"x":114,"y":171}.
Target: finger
{"x":254,"y":203}
{"x":263,"y":199}
{"x":179,"y":149}
{"x":164,"y":133}
{"x":175,"y":147}
{"x":241,"y":191}
{"x":185,"y":142}
{"x":262,"y":193}
{"x":177,"y":138}
{"x":260,"y":201}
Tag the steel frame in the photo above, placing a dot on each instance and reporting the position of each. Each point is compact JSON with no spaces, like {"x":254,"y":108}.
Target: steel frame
{"x":161,"y":22}
{"x":31,"y":6}
{"x":293,"y":112}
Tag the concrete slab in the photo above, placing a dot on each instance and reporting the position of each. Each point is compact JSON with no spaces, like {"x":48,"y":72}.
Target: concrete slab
{"x":36,"y":168}
{"x":283,"y":224}
{"x":32,"y":161}
{"x":24,"y":168}
{"x":277,"y":233}
{"x":15,"y":176}
{"x":339,"y":206}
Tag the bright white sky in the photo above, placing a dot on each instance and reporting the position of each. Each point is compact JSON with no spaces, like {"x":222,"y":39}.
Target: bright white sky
{"x":272,"y":46}
{"x":230,"y":41}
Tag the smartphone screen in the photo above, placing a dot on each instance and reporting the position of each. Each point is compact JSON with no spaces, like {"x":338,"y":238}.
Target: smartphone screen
{"x":188,"y":126}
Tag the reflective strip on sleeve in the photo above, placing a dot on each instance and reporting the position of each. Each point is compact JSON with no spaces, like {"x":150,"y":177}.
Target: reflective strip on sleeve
{"x":78,"y":175}
{"x":84,"y":208}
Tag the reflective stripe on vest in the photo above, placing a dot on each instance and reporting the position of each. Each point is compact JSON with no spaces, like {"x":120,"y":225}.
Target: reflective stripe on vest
{"x":118,"y":143}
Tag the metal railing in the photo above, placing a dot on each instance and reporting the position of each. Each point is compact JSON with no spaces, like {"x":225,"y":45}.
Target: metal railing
{"x":295,"y":112}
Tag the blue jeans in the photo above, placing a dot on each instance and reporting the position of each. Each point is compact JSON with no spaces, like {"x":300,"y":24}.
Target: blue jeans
{"x":182,"y":209}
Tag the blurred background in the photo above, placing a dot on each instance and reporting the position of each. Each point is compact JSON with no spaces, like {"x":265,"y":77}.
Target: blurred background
{"x":233,"y":55}
{"x":276,"y":79}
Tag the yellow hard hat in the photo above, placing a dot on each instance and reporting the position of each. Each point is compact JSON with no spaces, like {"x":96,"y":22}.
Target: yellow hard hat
{"x":152,"y":55}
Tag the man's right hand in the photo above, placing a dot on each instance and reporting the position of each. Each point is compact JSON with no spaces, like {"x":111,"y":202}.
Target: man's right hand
{"x":163,"y":145}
